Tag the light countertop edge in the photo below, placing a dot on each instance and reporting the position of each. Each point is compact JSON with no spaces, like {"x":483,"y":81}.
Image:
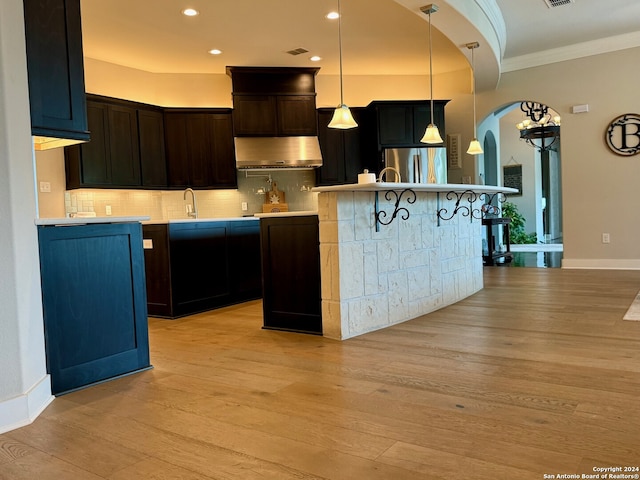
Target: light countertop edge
{"x":84,"y":221}
{"x":417,"y":187}
{"x":300,"y":213}
{"x":201,"y":220}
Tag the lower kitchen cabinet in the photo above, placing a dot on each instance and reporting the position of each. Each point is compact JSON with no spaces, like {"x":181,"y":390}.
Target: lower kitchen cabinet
{"x":94,"y":303}
{"x":291,"y":273}
{"x":196,"y":266}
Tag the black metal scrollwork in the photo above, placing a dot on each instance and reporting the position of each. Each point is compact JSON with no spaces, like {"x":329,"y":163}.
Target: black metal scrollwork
{"x":381,"y":215}
{"x":490,"y":202}
{"x":464,"y":210}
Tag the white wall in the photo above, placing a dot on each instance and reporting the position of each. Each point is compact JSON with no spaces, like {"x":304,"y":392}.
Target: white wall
{"x":24,"y":384}
{"x":511,"y":147}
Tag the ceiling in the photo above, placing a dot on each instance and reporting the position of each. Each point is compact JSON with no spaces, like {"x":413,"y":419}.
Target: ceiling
{"x":385,"y":37}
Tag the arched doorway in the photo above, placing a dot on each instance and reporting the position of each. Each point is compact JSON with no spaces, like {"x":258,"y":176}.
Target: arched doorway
{"x":510,"y":160}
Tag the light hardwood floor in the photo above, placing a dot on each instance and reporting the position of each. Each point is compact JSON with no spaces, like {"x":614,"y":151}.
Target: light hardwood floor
{"x":536,"y":374}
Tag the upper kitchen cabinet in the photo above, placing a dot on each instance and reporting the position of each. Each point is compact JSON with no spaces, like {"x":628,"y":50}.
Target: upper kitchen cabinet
{"x":56,"y":75}
{"x":153,"y":163}
{"x":274,"y":101}
{"x":199,"y":148}
{"x":345,"y":153}
{"x":126,"y":148}
{"x":402,"y":123}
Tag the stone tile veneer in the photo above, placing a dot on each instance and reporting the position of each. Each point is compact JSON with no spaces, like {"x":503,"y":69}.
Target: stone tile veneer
{"x":371,"y":280}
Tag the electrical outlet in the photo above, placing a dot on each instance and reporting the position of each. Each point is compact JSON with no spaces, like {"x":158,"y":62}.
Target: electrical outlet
{"x":108,"y":209}
{"x":245,"y":207}
{"x":606,"y":238}
{"x":45,"y":187}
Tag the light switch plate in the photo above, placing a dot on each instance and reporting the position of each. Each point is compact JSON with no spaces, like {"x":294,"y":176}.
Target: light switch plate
{"x":45,"y":187}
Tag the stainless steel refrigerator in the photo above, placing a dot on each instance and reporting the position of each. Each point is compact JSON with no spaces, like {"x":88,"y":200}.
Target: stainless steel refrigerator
{"x":413,"y":164}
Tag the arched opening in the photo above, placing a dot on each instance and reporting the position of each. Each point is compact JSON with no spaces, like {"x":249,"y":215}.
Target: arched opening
{"x":510,"y":160}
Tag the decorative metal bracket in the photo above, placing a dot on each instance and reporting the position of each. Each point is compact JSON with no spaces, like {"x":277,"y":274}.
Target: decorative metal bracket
{"x":490,"y":205}
{"x":381,"y":215}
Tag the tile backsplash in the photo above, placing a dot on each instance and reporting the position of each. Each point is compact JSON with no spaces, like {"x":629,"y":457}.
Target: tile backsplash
{"x":163,"y":205}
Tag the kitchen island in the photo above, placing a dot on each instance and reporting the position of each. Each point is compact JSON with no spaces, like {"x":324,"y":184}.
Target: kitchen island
{"x":391,"y":252}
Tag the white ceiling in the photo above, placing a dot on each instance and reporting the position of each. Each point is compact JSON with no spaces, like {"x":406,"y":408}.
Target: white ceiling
{"x":380,"y":37}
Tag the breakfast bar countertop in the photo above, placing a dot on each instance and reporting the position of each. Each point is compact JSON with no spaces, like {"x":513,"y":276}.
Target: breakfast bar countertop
{"x":418,"y":187}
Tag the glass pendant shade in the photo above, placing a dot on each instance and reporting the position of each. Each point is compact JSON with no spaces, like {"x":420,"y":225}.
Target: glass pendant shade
{"x":475,"y":148}
{"x":342,"y":118}
{"x":431,"y":135}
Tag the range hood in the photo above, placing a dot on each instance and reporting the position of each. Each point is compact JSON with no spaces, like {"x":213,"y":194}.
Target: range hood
{"x":277,"y":152}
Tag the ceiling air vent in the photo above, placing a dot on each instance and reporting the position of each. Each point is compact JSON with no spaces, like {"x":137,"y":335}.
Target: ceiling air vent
{"x":557,"y":3}
{"x":297,"y":51}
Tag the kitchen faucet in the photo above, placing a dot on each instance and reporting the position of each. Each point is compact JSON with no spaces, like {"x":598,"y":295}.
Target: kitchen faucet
{"x":192,"y":209}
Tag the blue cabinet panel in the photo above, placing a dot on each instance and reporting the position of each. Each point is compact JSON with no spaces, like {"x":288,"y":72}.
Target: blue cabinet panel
{"x":94,"y":301}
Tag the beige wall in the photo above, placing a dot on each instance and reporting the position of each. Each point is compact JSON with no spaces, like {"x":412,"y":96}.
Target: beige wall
{"x":599,"y":187}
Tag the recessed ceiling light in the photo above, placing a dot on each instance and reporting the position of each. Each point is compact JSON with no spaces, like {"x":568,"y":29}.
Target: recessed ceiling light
{"x":215,"y":51}
{"x":315,"y":58}
{"x":190,"y":12}
{"x":332,"y":15}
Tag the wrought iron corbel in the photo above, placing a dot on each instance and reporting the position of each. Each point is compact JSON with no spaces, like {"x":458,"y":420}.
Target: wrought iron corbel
{"x":381,"y":215}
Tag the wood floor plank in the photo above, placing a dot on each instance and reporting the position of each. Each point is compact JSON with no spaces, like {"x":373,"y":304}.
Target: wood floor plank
{"x":536,"y":373}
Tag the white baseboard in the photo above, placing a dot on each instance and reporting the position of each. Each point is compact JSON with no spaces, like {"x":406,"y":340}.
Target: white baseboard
{"x":601,"y":264}
{"x":22,"y":410}
{"x":537,"y":247}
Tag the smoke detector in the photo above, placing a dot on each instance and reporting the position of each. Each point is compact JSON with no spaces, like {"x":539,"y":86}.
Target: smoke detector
{"x":557,"y":3}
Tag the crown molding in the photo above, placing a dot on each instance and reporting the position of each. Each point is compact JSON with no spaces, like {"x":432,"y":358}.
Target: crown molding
{"x":571,"y":52}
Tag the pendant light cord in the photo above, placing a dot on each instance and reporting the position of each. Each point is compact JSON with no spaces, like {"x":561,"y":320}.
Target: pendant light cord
{"x":340,"y":49}
{"x":473,"y":72}
{"x":430,"y":68}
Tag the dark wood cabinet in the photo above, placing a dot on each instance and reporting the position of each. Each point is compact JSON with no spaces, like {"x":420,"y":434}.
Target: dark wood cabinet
{"x":291,"y":273}
{"x":403,"y":123}
{"x":275,"y":115}
{"x":94,"y":303}
{"x":274,"y":101}
{"x":157,"y":269}
{"x":88,"y":164}
{"x":153,"y":162}
{"x":297,"y":115}
{"x":197,"y":266}
{"x":55,"y":68}
{"x":199,"y":148}
{"x":245,"y":269}
{"x":345,"y":153}
{"x":255,"y":115}
{"x":126,"y":148}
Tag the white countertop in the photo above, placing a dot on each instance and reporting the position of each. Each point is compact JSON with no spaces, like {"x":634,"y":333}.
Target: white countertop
{"x":87,"y":220}
{"x":301,"y":213}
{"x":416,"y":187}
{"x":194,"y":220}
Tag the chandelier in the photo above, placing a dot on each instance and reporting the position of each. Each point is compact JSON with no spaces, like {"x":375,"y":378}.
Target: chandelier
{"x":539,"y":130}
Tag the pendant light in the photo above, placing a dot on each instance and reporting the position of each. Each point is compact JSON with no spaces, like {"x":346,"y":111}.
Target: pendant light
{"x":342,"y":117}
{"x":431,"y":134}
{"x":474,"y":146}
